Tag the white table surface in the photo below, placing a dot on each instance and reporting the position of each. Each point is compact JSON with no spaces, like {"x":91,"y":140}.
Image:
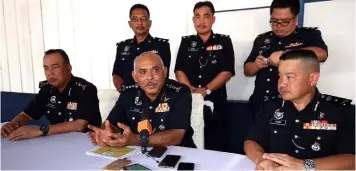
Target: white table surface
{"x":67,"y":152}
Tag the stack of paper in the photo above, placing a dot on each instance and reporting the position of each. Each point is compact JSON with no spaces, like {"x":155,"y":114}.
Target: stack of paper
{"x":113,"y":152}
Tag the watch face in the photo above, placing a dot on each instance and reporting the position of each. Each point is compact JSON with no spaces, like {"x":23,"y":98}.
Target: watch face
{"x":208,"y":92}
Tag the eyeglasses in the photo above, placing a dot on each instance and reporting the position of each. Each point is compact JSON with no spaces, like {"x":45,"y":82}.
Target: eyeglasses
{"x":274,"y":22}
{"x":137,"y":19}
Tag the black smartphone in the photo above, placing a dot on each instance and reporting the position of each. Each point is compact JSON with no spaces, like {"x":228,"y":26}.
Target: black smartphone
{"x":170,"y":161}
{"x":136,"y":167}
{"x":185,"y":166}
{"x":157,"y":152}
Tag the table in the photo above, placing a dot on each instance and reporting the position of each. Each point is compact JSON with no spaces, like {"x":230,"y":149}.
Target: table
{"x":67,"y":152}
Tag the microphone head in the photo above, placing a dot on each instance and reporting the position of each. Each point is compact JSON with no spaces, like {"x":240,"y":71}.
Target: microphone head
{"x":144,"y":138}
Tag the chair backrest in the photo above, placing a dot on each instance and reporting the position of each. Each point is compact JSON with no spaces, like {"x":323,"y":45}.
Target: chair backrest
{"x":108,"y":98}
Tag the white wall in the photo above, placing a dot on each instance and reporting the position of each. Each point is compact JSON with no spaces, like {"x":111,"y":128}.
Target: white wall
{"x":89,"y":29}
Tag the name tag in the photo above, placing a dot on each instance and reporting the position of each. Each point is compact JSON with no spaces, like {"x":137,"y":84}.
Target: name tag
{"x":137,"y":110}
{"x":278,"y":122}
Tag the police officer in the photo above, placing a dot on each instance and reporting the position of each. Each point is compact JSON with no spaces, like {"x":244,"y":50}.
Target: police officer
{"x":205,"y":62}
{"x":166,"y":103}
{"x":268,"y":47}
{"x":129,"y":49}
{"x":304,"y":129}
{"x":68,"y":102}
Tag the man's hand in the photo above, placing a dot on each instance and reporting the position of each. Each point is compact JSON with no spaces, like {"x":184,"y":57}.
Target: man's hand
{"x":119,"y":140}
{"x":202,"y":91}
{"x":265,"y":164}
{"x":274,"y":58}
{"x":100,"y":134}
{"x":25,"y":132}
{"x":285,"y":161}
{"x":260,"y":62}
{"x":8,"y":128}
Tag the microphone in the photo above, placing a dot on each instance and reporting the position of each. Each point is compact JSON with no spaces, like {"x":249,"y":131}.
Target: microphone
{"x":144,"y":127}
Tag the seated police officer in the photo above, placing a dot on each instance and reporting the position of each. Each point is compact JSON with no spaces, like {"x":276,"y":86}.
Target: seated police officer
{"x":68,"y":102}
{"x":129,"y":49}
{"x":304,"y":129}
{"x":166,"y":103}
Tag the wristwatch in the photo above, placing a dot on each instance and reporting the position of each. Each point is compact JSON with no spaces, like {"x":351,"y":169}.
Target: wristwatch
{"x":309,"y":165}
{"x":207,"y":90}
{"x":44,"y":129}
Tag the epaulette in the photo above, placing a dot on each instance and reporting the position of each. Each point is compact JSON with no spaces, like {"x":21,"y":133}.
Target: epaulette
{"x":128,"y":87}
{"x":124,"y":41}
{"x":222,"y":35}
{"x":174,"y":87}
{"x":268,"y":99}
{"x":43,"y":84}
{"x":310,"y":28}
{"x":160,"y":39}
{"x":187,"y":37}
{"x":269,"y":33}
{"x":335,"y":100}
{"x":82,"y":84}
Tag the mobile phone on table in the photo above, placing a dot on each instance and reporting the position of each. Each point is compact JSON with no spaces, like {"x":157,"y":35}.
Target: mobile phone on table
{"x":157,"y":152}
{"x":136,"y":166}
{"x":169,"y":161}
{"x":185,"y":166}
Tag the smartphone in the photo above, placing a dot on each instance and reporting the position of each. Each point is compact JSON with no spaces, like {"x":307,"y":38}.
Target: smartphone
{"x":117,"y":164}
{"x":170,"y":161}
{"x":136,"y":166}
{"x":185,"y":166}
{"x":157,"y":152}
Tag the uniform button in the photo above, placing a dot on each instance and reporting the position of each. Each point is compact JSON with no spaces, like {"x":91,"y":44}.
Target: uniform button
{"x":279,"y":43}
{"x":199,"y":86}
{"x":319,"y":138}
{"x":150,"y":120}
{"x":202,"y":47}
{"x":199,"y":76}
{"x":123,"y":59}
{"x":201,"y":57}
{"x":275,"y":131}
{"x":59,"y":102}
{"x":267,"y":91}
{"x":138,"y":48}
{"x":270,"y":69}
{"x":133,"y":118}
{"x":161,"y":120}
{"x":149,"y":41}
{"x":297,"y":121}
{"x":296,"y":151}
{"x":201,"y":67}
{"x":268,"y":79}
{"x":47,"y":111}
{"x":59,"y":113}
{"x":214,"y":56}
{"x":190,"y":56}
{"x":70,"y":113}
{"x":151,"y":107}
{"x":296,"y":136}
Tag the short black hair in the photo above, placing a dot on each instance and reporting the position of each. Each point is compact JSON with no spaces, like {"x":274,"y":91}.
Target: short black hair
{"x":204,"y":3}
{"x":293,"y":5}
{"x":307,"y":57}
{"x":60,"y":51}
{"x":140,"y":6}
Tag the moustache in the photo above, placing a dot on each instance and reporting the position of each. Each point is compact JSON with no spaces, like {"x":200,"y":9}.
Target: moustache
{"x":151,"y":83}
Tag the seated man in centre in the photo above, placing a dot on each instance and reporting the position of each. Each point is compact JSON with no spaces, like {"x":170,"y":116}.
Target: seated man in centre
{"x":166,"y":103}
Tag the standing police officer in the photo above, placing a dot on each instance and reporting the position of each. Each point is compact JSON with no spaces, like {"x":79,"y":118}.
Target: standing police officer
{"x":129,"y":49}
{"x":165,"y":103}
{"x":305,"y":130}
{"x":205,"y":62}
{"x":68,"y":102}
{"x":268,"y":47}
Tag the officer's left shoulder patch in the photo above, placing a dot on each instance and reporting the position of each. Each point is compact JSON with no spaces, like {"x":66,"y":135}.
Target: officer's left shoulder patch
{"x":174,"y":86}
{"x":222,"y":35}
{"x":43,"y":84}
{"x":310,"y":28}
{"x":127,"y":87}
{"x":158,"y":39}
{"x":269,"y":99}
{"x":335,"y":100}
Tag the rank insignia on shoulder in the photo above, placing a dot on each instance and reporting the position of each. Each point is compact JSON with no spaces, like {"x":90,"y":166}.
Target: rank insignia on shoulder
{"x":336,"y":100}
{"x":127,"y":87}
{"x":43,"y":84}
